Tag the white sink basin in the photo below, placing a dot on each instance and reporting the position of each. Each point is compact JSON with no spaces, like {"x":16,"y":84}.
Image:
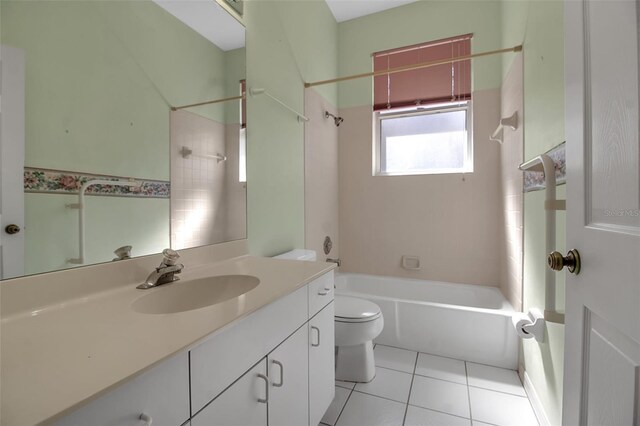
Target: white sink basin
{"x":194,"y":294}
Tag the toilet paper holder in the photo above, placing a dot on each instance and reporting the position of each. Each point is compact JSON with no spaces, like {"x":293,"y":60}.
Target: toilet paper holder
{"x":530,"y":325}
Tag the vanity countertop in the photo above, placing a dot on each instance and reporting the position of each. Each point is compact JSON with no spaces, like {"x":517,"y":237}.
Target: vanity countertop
{"x":59,"y":357}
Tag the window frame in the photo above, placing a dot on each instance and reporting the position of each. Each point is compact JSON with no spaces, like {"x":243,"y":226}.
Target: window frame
{"x":381,"y":115}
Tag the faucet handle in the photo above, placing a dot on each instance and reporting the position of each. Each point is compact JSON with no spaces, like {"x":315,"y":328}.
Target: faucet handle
{"x":170,"y":257}
{"x":123,"y":253}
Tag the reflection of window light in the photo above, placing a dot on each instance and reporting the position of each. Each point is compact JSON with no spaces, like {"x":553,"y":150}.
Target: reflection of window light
{"x":242,"y":156}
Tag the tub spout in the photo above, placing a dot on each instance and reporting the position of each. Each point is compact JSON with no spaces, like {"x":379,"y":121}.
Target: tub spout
{"x":336,"y":261}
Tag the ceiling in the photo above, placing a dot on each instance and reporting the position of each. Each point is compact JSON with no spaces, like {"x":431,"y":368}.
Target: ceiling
{"x":226,"y":33}
{"x":343,"y":10}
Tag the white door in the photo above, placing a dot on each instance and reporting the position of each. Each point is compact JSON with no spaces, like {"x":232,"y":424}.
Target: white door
{"x":602,"y":334}
{"x":321,"y":363}
{"x":288,"y":367}
{"x":12,"y":162}
{"x":244,"y":403}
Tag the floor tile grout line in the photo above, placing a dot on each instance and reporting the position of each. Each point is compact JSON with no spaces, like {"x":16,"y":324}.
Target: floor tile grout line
{"x":393,"y":347}
{"x":407,"y":404}
{"x":343,"y":407}
{"x":397,"y":402}
{"x":441,"y":412}
{"x":353,"y":385}
{"x":499,"y":391}
{"x":442,"y":380}
{"x":393,"y":369}
{"x":466,"y":373}
{"x":413,"y":376}
{"x":463,"y":384}
{"x":480,"y":421}
{"x":444,"y":356}
{"x":378,"y":396}
{"x":414,"y":405}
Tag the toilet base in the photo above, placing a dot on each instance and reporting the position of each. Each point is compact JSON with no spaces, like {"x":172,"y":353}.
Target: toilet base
{"x":355,"y":363}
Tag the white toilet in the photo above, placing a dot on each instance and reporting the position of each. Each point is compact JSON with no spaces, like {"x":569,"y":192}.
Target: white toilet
{"x":357,"y":323}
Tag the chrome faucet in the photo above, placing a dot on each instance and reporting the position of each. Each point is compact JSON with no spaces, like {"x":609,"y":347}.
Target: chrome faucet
{"x":336,"y":261}
{"x":165,"y":273}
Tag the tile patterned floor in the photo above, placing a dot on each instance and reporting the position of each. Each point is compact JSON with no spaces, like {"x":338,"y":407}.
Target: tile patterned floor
{"x":418,"y":389}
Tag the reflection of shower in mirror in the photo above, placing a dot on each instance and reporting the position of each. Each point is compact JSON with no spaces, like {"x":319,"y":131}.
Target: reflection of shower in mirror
{"x":196,"y":104}
{"x":337,"y":120}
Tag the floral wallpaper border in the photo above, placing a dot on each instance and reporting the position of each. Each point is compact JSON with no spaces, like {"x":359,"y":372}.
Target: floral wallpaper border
{"x":534,"y":181}
{"x":67,"y":182}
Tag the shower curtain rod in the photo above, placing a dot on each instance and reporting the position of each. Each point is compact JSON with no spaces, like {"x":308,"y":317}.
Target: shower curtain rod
{"x":234,"y":98}
{"x":414,"y":67}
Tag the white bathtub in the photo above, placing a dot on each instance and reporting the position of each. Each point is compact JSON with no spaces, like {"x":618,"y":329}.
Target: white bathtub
{"x":467,"y":322}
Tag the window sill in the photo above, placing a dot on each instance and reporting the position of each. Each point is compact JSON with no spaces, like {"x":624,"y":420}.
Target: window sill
{"x":426,"y":172}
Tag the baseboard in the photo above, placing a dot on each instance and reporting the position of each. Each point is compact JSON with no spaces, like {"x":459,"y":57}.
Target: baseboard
{"x":535,"y":401}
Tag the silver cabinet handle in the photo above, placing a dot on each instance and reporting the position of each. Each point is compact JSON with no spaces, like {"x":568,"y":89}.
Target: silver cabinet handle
{"x":266,"y":388}
{"x":318,"y":330}
{"x":146,"y":418}
{"x":324,"y":291}
{"x":279,"y":364}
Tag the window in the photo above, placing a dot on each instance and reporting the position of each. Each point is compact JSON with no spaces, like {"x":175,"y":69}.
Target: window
{"x":242,"y":147}
{"x":423,"y":116}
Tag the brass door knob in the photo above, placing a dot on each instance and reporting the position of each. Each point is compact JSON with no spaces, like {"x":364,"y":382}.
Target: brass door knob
{"x":572,"y":261}
{"x":12,"y":229}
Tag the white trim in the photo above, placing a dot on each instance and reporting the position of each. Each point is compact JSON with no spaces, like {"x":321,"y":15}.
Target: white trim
{"x":538,"y":408}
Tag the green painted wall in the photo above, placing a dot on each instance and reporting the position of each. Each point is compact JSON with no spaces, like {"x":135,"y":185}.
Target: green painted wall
{"x":111,"y":222}
{"x":235,"y":70}
{"x":288,"y":43}
{"x":416,"y":23}
{"x":539,"y":25}
{"x":100,"y":78}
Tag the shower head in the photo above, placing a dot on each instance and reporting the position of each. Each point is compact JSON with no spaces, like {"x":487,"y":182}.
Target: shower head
{"x":336,"y":120}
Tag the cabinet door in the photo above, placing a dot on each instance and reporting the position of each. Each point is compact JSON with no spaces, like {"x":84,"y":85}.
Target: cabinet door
{"x":321,"y":363}
{"x":288,"y":367}
{"x":244,"y":403}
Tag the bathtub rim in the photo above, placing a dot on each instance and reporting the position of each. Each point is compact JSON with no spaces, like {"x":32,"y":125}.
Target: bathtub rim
{"x":506,"y":309}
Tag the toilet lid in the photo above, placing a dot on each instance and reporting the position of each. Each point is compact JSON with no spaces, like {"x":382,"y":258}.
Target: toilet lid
{"x":354,"y":309}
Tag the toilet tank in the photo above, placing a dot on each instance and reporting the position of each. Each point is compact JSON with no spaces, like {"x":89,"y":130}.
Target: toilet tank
{"x":298,"y":254}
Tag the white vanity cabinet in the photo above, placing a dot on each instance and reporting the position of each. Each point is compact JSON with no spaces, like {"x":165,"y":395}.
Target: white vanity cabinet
{"x":162,"y":394}
{"x":321,"y":363}
{"x":273,"y":367}
{"x":295,"y":338}
{"x":220,"y":360}
{"x":243,"y":404}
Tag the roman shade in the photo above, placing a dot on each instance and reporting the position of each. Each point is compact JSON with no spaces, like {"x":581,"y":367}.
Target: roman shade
{"x":436,"y":84}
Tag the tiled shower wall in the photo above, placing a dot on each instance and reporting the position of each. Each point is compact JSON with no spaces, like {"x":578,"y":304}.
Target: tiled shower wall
{"x":511,"y":156}
{"x":320,"y":175}
{"x":199,"y":208}
{"x":452,"y":222}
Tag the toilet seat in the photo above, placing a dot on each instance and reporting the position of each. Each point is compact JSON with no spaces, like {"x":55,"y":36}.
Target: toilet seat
{"x":355,"y":310}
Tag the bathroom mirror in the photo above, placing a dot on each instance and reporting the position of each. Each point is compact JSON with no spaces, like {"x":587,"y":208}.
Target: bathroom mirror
{"x":95,"y":152}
